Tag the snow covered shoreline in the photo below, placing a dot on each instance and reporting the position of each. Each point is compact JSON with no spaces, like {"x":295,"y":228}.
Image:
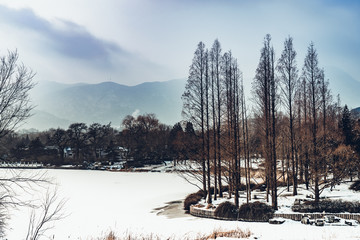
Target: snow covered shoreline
{"x":100,"y":201}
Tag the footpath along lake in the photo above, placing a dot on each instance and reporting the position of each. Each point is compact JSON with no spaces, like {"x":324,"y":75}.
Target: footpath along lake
{"x":100,"y":201}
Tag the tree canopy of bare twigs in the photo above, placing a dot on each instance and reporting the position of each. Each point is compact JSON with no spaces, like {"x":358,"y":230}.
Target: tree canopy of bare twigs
{"x":51,"y":210}
{"x":16,"y":81}
{"x":14,"y":182}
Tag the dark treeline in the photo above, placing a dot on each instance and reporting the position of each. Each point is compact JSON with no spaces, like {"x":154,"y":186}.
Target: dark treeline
{"x":142,"y":140}
{"x":295,"y":128}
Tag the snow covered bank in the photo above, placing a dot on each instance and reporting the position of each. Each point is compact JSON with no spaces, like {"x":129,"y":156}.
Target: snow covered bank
{"x":100,"y":201}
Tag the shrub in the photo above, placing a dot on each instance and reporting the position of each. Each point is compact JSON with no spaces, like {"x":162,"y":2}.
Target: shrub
{"x":201,"y":193}
{"x":355,"y":186}
{"x":281,"y":184}
{"x":261,"y":187}
{"x":256,"y":211}
{"x":225,"y":188}
{"x":242,"y":187}
{"x":226,"y":210}
{"x":193,"y":198}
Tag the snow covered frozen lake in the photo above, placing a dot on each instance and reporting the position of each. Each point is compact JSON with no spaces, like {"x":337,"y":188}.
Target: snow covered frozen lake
{"x":100,"y":201}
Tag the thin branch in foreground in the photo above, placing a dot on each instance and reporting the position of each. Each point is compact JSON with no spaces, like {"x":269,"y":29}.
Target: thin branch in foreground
{"x":52,"y":210}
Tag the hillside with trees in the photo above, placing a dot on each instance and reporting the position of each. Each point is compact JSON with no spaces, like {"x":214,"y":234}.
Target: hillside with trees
{"x":59,"y":104}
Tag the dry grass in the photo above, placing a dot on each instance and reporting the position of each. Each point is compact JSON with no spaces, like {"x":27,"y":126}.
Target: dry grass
{"x":237,"y":233}
{"x":110,"y":236}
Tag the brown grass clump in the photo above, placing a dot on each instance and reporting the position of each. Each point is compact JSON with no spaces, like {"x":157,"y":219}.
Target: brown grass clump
{"x":236,"y":233}
{"x":193,"y":198}
{"x":132,"y":236}
{"x":111,"y":236}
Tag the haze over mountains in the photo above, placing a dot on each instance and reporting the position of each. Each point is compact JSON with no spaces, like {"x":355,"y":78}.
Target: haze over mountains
{"x":59,"y":105}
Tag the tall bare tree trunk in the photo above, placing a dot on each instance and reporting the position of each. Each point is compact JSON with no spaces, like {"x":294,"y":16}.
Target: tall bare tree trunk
{"x":207,"y":80}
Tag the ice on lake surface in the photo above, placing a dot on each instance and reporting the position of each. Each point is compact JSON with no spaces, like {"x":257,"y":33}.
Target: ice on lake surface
{"x":100,"y":201}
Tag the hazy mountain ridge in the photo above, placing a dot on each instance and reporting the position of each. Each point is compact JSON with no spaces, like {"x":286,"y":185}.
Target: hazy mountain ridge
{"x":356,"y":112}
{"x":58,"y":105}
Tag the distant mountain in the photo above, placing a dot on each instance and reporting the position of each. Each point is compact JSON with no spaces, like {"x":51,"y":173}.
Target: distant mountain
{"x":58,"y":105}
{"x":355,"y":112}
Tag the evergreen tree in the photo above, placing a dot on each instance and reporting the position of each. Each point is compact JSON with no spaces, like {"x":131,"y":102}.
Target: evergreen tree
{"x":347,"y":125}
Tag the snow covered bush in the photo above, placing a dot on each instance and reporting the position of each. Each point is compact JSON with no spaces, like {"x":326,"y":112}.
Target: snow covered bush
{"x":193,"y":198}
{"x":227,"y":210}
{"x":256,"y":211}
{"x":355,"y":186}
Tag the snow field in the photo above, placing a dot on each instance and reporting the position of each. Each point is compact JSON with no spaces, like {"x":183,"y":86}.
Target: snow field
{"x":100,"y":201}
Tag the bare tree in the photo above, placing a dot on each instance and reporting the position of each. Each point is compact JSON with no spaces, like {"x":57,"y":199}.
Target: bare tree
{"x":216,"y":51}
{"x":305,"y":130}
{"x":245,"y":136}
{"x":207,"y":116}
{"x":312,"y":74}
{"x":60,"y":139}
{"x":232,"y":75}
{"x":288,"y":76}
{"x":16,"y":81}
{"x":213,"y":67}
{"x":52,"y":210}
{"x":265,"y":97}
{"x":194,"y":100}
{"x":77,"y":137}
{"x":97,"y":136}
{"x":12,"y":183}
{"x":326,"y":100}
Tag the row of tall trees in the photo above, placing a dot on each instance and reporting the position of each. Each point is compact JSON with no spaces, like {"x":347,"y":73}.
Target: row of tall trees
{"x":296,"y":127}
{"x":265,"y":95}
{"x":214,"y":101}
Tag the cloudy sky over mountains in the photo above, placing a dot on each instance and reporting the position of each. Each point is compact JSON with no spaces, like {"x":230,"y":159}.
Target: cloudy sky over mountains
{"x":133,"y":41}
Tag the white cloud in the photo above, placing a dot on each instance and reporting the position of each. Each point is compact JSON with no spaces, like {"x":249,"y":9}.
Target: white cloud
{"x":136,"y":113}
{"x":154,"y":40}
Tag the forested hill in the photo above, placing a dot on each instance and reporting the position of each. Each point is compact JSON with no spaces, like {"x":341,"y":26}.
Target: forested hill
{"x":356,"y":112}
{"x":59,"y":105}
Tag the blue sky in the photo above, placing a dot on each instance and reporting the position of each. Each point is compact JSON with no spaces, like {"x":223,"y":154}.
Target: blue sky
{"x":134,"y":41}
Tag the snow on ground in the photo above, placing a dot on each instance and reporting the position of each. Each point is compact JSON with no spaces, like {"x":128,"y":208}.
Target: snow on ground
{"x":286,"y":199}
{"x":100,"y":201}
{"x":169,"y":166}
